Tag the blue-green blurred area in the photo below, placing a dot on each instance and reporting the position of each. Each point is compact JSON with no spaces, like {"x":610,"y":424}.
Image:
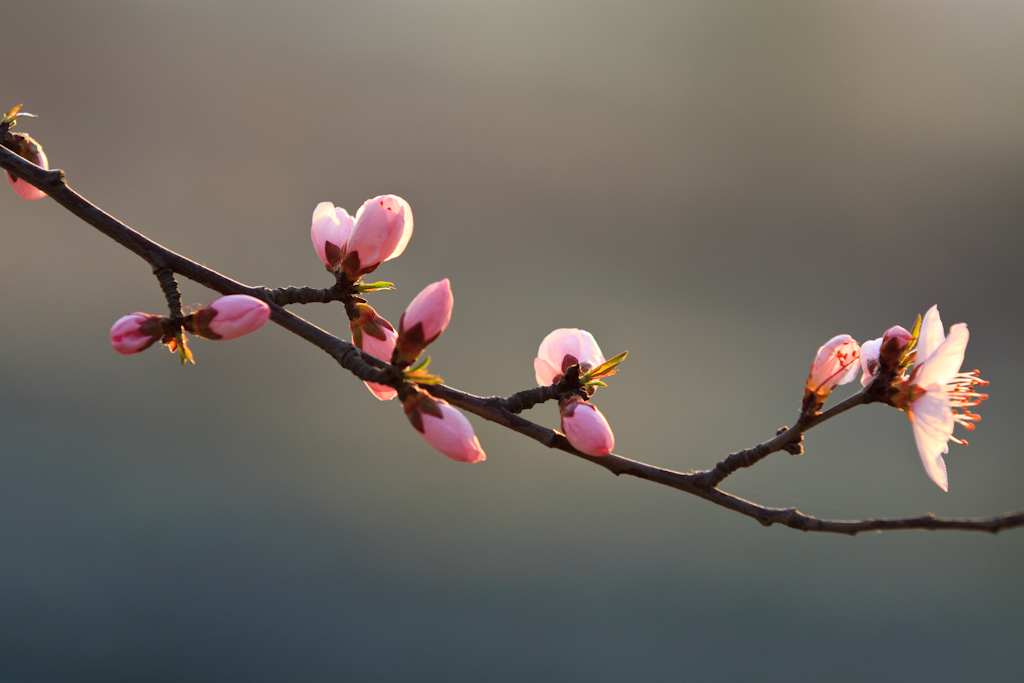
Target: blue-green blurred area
{"x":718,"y":187}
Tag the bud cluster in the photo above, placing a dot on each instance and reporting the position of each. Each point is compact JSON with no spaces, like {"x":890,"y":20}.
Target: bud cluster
{"x":353,"y":247}
{"x":570,"y":353}
{"x":228,"y":317}
{"x":917,"y":371}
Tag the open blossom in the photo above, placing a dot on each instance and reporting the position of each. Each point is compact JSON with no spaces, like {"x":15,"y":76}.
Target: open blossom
{"x":374,"y":335}
{"x":424,"y":320}
{"x":229,"y":317}
{"x":937,"y":391}
{"x":29,"y":149}
{"x":585,"y":427}
{"x":836,"y":362}
{"x":136,"y":332}
{"x":330,"y":231}
{"x":562,"y":349}
{"x":443,"y":427}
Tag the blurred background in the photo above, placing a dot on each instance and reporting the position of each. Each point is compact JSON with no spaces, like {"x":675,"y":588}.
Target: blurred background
{"x":718,"y":187}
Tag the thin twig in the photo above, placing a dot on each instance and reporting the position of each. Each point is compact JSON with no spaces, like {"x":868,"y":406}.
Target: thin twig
{"x":503,"y":411}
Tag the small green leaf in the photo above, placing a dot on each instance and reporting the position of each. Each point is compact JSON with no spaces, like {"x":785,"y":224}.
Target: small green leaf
{"x":605,"y":369}
{"x":421,"y":364}
{"x":375,"y":286}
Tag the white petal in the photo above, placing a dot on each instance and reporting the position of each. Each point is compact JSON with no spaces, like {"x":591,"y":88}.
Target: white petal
{"x":590,"y":352}
{"x":931,"y":334}
{"x":545,"y":372}
{"x":932,"y":420}
{"x":869,"y":351}
{"x":947,"y":358}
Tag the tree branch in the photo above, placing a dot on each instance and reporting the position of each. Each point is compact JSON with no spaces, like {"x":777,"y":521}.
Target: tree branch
{"x":503,"y":411}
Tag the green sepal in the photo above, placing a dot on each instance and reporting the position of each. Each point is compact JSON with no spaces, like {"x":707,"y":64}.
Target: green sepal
{"x":915,"y":332}
{"x":180,"y":345}
{"x":375,"y":286}
{"x":421,"y":364}
{"x":910,"y":353}
{"x":417,"y":373}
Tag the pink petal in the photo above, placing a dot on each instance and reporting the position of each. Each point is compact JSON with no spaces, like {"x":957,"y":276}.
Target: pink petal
{"x":24,"y":190}
{"x":36,"y":155}
{"x":382,"y":349}
{"x":134,"y":332}
{"x":586,"y":428}
{"x":570,"y":341}
{"x":932,"y":421}
{"x":381,"y":391}
{"x":238,"y":315}
{"x":837,"y":362}
{"x":452,"y":435}
{"x":432,"y":308}
{"x":330,"y":224}
{"x":869,"y":359}
{"x":545,"y":372}
{"x":383,"y":227}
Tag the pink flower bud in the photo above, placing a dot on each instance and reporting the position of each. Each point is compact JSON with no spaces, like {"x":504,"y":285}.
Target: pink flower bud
{"x":29,"y":149}
{"x":884,"y":353}
{"x":374,"y":335}
{"x":562,"y":349}
{"x":383,"y":226}
{"x":424,"y":320}
{"x":585,"y":427}
{"x":229,"y":317}
{"x":837,"y":362}
{"x":443,"y":427}
{"x":894,"y":342}
{"x":136,"y":332}
{"x":330,"y":231}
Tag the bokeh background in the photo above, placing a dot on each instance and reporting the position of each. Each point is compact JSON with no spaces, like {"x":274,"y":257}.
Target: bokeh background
{"x":718,"y":187}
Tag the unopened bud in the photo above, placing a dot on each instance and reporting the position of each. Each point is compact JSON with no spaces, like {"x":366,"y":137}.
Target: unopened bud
{"x":229,"y":317}
{"x":383,"y":226}
{"x":443,"y":427}
{"x":27,"y":148}
{"x":374,"y":335}
{"x":562,"y":349}
{"x":894,"y":343}
{"x":836,"y":362}
{"x":136,"y":332}
{"x":585,"y":427}
{"x":424,"y":320}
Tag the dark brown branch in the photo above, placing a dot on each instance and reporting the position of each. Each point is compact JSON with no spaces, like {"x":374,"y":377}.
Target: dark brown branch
{"x":503,"y":411}
{"x":787,"y":439}
{"x":170,"y":287}
{"x":284,"y":296}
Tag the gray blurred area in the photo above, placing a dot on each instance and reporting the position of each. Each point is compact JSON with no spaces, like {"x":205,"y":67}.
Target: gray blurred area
{"x":718,"y":187}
